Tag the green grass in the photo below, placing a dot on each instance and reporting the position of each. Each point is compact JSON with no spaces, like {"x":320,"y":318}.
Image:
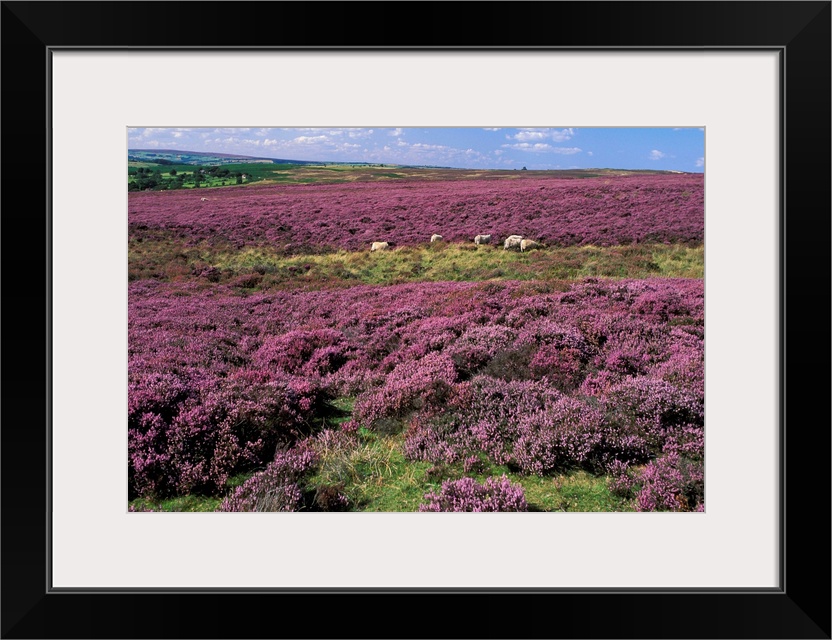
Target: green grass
{"x":286,"y":173}
{"x":179,"y":504}
{"x":375,"y":476}
{"x":576,"y":491}
{"x":374,"y":473}
{"x":171,"y":260}
{"x":689,"y":262}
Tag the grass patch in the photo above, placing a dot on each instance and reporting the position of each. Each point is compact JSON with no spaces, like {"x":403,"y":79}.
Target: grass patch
{"x":178,"y":504}
{"x":688,"y":262}
{"x":374,"y":473}
{"x":171,"y":259}
{"x":375,"y":476}
{"x":576,"y":491}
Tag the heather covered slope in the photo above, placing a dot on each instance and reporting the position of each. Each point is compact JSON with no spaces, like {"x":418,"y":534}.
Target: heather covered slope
{"x":276,"y":364}
{"x":604,"y":377}
{"x":562,"y":212}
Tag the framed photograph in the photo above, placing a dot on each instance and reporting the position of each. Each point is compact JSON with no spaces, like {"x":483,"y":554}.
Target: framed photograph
{"x":692,"y":503}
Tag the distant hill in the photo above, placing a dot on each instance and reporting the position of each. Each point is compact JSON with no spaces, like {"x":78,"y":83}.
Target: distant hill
{"x":178,"y":156}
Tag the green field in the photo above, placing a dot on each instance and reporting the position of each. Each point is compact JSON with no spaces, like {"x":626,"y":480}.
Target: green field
{"x":328,"y":173}
{"x":168,"y":259}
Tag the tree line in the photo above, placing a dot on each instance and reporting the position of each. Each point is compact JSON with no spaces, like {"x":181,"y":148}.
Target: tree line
{"x":155,"y":179}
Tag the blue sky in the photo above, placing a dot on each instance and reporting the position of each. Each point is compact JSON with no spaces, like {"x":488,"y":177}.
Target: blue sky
{"x":666,"y":148}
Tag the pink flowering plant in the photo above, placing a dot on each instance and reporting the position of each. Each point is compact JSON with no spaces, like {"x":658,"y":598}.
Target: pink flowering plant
{"x":237,"y":394}
{"x":466,"y":494}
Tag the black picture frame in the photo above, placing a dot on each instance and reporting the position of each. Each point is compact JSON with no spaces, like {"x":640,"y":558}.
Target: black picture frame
{"x":799,"y":608}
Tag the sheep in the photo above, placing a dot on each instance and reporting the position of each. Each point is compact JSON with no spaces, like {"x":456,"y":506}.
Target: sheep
{"x":379,"y":246}
{"x":512,"y":242}
{"x":529,"y":244}
{"x":482,"y":239}
{"x":435,"y":237}
{"x":203,"y":199}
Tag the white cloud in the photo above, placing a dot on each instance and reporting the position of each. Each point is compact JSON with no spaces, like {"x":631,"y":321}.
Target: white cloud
{"x":491,"y":128}
{"x":359,"y":133}
{"x":530,"y":133}
{"x":176,"y":134}
{"x":655,"y":154}
{"x":310,"y":139}
{"x":538,"y":147}
{"x":395,"y":132}
{"x":563,"y":134}
{"x":589,"y":153}
{"x":542,"y":147}
{"x":149,"y":131}
{"x":700,"y":162}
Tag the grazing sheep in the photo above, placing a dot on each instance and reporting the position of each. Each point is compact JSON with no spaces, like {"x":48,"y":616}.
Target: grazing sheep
{"x":529,"y":244}
{"x":379,"y":246}
{"x":482,"y":239}
{"x":435,"y":237}
{"x":512,"y":242}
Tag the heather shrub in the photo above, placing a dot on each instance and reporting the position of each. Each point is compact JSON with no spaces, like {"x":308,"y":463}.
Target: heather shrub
{"x":440,"y":439}
{"x":561,"y":367}
{"x":566,"y":433}
{"x":221,"y":428}
{"x":621,"y":481}
{"x":652,"y":406}
{"x":156,"y":393}
{"x":684,"y":366}
{"x":493,"y":408}
{"x":473,"y":464}
{"x":545,"y":331}
{"x":619,"y":443}
{"x":511,"y":364}
{"x":466,"y":494}
{"x":308,"y":352}
{"x":148,"y":455}
{"x":671,"y":483}
{"x":410,"y":387}
{"x":276,"y":488}
{"x":481,"y":416}
{"x":662,"y":304}
{"x":478,"y":345}
{"x":687,"y":440}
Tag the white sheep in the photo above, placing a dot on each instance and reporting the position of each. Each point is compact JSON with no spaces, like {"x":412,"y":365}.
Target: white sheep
{"x":512,"y":242}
